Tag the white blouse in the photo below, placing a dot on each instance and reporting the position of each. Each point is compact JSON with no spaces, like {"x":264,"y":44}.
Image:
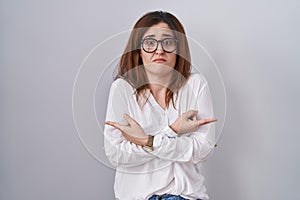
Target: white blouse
{"x":174,"y":166}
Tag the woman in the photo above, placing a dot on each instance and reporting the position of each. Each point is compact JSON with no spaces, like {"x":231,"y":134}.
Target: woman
{"x":158,"y":128}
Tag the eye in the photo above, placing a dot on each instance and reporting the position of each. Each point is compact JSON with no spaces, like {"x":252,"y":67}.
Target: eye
{"x":168,"y":42}
{"x":150,"y":42}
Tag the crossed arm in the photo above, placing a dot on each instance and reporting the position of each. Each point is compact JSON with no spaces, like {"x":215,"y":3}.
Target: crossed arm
{"x":134,"y":133}
{"x":124,"y":142}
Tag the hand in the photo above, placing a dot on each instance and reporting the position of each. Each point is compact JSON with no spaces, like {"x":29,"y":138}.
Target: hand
{"x":188,"y":122}
{"x":132,"y":132}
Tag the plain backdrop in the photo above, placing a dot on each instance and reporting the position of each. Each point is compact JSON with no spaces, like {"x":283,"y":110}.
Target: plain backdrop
{"x":255,"y":44}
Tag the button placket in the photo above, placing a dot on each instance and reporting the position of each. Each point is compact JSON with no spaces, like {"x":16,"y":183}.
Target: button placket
{"x":166,"y":119}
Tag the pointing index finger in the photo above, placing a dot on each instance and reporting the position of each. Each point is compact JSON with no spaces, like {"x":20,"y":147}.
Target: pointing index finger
{"x":206,"y":121}
{"x":114,"y":124}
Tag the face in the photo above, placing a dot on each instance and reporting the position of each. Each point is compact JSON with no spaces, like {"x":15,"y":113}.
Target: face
{"x":159,"y":62}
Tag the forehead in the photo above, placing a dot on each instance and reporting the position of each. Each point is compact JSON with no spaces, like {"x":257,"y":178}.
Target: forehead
{"x":159,"y":30}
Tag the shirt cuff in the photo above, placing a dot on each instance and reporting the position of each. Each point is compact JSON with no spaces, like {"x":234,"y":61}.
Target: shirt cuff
{"x":169,"y":132}
{"x":157,"y":140}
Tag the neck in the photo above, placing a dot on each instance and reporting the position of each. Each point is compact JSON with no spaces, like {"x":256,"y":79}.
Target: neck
{"x":159,"y":93}
{"x":158,"y":90}
{"x":159,"y":85}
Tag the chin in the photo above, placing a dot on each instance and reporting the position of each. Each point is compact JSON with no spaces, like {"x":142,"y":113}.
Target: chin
{"x":159,"y":69}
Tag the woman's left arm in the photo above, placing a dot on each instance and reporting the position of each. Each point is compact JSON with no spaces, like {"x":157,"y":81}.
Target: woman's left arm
{"x":194,"y":137}
{"x":195,"y":145}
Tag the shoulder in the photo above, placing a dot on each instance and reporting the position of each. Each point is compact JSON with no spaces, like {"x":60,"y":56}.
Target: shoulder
{"x":196,"y":81}
{"x":122,"y":86}
{"x":120,"y":82}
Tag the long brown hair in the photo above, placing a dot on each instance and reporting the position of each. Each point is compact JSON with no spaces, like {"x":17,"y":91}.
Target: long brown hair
{"x":131,"y":66}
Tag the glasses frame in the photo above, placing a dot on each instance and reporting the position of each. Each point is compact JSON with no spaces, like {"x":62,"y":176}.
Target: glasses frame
{"x":157,"y":43}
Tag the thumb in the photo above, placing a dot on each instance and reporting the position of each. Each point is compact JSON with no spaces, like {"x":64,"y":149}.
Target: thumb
{"x":129,"y":119}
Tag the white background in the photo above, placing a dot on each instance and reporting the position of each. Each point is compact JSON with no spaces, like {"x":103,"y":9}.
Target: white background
{"x":254,"y":43}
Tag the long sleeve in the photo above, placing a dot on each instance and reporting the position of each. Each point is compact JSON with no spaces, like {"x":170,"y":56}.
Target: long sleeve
{"x":170,"y":167}
{"x":119,"y":151}
{"x":191,"y":147}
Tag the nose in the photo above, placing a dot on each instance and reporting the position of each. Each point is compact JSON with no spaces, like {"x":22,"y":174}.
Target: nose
{"x":159,"y":49}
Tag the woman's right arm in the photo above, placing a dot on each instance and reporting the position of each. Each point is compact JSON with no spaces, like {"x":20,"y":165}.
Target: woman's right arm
{"x":195,"y":140}
{"x":119,"y":151}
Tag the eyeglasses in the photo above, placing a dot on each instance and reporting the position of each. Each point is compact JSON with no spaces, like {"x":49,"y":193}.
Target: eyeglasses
{"x":150,"y":45}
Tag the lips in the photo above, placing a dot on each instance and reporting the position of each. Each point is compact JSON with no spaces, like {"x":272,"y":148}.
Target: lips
{"x":159,"y":60}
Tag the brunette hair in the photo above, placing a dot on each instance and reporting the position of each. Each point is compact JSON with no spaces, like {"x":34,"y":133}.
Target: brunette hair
{"x":131,"y":66}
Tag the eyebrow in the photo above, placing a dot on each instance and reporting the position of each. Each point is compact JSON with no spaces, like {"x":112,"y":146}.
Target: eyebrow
{"x":165,"y":35}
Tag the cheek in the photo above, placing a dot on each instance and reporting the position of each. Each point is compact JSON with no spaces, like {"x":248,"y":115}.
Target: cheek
{"x":145,"y":58}
{"x":173,"y":60}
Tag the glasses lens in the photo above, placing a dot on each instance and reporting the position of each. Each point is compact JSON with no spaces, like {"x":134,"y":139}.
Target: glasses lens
{"x":149,"y":45}
{"x":169,"y":44}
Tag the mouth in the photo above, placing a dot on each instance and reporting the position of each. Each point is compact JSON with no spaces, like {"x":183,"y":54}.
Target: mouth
{"x":159,"y":60}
